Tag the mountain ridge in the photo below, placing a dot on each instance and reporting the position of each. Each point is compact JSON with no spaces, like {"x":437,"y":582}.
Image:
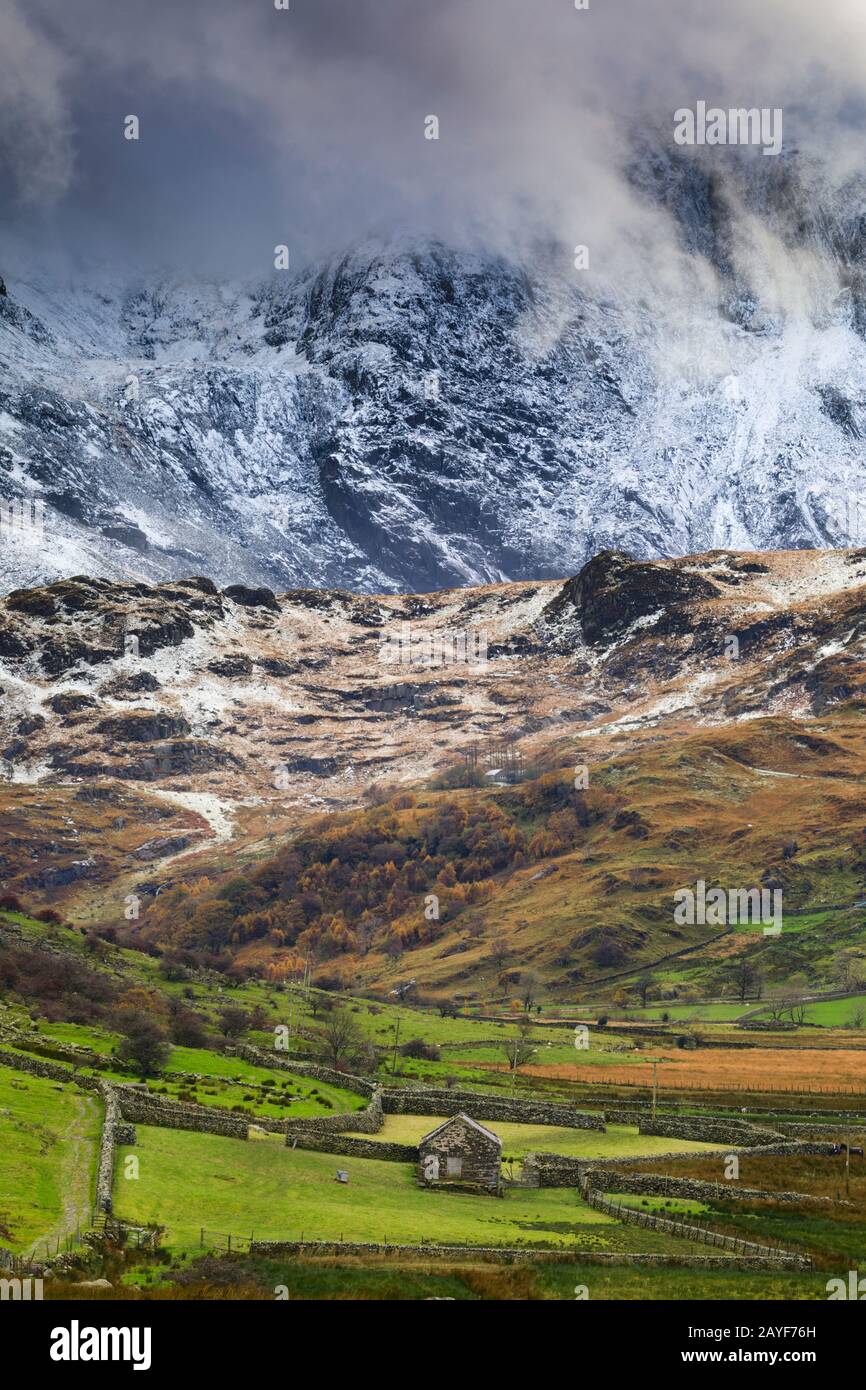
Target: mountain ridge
{"x":411,"y":416}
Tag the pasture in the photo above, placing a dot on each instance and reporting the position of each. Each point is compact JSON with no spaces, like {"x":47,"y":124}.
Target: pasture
{"x":618,"y":1141}
{"x":188,"y":1181}
{"x":760,"y":1069}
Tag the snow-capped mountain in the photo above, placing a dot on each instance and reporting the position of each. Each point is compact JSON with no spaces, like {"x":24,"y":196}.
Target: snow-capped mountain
{"x":411,"y":416}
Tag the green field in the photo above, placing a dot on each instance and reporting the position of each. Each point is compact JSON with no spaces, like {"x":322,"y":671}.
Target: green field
{"x":550,"y":1054}
{"x":300,"y":1096}
{"x":618,"y":1141}
{"x":188,"y":1181}
{"x":834,"y":1013}
{"x":49,"y":1136}
{"x":705,"y":1013}
{"x":661,"y":1206}
{"x":77,"y":1035}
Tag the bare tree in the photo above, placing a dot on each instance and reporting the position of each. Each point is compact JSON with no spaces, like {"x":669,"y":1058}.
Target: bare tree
{"x":529,"y":986}
{"x":746,"y":979}
{"x":520,"y":1049}
{"x":343,"y":1041}
{"x":499,"y":952}
{"x":643,"y":987}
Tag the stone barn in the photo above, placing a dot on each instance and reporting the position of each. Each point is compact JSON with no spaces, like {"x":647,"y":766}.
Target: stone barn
{"x":460,"y":1152}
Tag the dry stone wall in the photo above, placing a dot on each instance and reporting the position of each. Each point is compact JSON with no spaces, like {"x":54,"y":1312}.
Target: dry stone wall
{"x":66,"y":1052}
{"x":354,"y":1148}
{"x":497,"y":1255}
{"x":429,"y":1101}
{"x":556,"y":1170}
{"x":659,"y":1185}
{"x":278,"y":1060}
{"x":145,"y":1108}
{"x":706,"y":1130}
{"x":36,"y":1066}
{"x":105,"y":1170}
{"x":837,"y":1132}
{"x":552,"y":1170}
{"x":789,"y":1146}
{"x":632,"y":1217}
{"x":50,"y":1071}
{"x":367,"y":1121}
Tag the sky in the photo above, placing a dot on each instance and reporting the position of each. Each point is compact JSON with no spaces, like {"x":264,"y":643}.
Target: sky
{"x":306,"y":126}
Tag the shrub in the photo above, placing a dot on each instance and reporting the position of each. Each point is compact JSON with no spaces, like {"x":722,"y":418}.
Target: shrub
{"x":417,"y":1048}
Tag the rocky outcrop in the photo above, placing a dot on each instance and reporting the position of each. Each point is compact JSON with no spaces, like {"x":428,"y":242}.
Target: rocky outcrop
{"x":613,"y":591}
{"x":231,"y":667}
{"x":143,"y":727}
{"x":252,"y":598}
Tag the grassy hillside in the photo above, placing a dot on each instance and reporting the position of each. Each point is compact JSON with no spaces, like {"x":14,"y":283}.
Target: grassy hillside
{"x":49,"y":1135}
{"x":574,"y":888}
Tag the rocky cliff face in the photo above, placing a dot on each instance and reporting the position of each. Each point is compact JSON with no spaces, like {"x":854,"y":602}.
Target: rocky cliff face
{"x":411,"y":416}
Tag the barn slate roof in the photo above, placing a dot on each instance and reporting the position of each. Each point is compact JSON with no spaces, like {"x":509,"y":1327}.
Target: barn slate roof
{"x":488,"y":1133}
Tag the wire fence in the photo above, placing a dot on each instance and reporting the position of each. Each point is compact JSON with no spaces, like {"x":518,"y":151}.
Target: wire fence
{"x":47,"y":1250}
{"x":51,"y":1247}
{"x":227,"y":1241}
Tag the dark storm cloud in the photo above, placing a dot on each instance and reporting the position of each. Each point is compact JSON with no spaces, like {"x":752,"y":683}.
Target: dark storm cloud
{"x":305,"y":126}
